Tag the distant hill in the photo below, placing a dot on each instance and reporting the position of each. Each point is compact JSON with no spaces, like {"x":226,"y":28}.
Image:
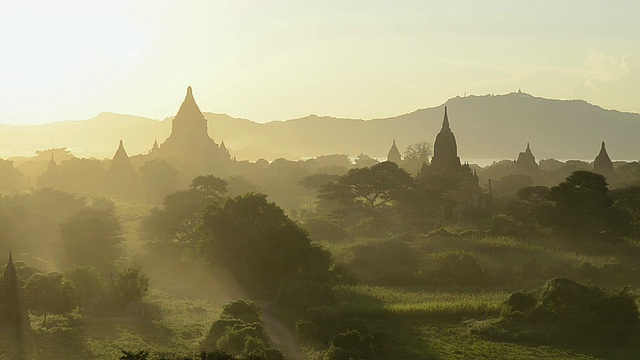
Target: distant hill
{"x":486,"y":127}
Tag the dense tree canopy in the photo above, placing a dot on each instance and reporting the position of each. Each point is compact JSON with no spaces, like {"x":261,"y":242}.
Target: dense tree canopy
{"x":90,"y":238}
{"x":584,"y":208}
{"x":373,"y":187}
{"x":259,"y":244}
{"x":49,"y":294}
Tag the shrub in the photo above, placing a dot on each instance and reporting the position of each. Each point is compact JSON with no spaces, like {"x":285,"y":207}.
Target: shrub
{"x":301,"y":295}
{"x":353,"y":345}
{"x":389,"y":262}
{"x":452,"y":266}
{"x":564,"y":311}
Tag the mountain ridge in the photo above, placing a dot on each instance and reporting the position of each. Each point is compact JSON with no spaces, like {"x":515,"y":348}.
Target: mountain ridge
{"x":486,"y":127}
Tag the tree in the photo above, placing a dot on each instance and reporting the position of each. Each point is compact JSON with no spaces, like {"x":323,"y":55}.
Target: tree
{"x":132,"y":285}
{"x":88,"y":284}
{"x":584,"y":208}
{"x":159,"y":178}
{"x":181,"y":213}
{"x":373,"y":187}
{"x":10,"y":177}
{"x":49,"y":294}
{"x":90,"y":238}
{"x":254,"y":240}
{"x":416,"y":155}
{"x":82,"y":175}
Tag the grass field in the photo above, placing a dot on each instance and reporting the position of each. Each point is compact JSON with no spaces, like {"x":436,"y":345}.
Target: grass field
{"x":169,"y":325}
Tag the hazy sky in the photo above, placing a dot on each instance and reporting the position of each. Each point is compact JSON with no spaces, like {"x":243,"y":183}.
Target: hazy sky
{"x":282,"y":59}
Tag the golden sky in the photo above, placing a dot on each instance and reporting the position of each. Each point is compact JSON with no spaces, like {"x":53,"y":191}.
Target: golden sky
{"x":266,"y":60}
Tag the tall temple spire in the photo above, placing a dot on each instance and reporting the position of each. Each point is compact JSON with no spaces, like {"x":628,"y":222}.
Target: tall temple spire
{"x":394,"y":154}
{"x":445,"y":150}
{"x":526,"y":164}
{"x":603,"y":164}
{"x":445,"y":122}
{"x":121,"y":153}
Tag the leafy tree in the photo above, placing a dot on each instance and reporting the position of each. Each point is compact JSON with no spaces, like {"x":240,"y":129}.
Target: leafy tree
{"x":532,"y":207}
{"x":81,"y":175}
{"x":49,"y":294}
{"x":259,"y":244}
{"x":159,"y":178}
{"x":564,"y":311}
{"x":584,"y":208}
{"x":36,"y":216}
{"x":132,"y":285}
{"x":88,"y":284}
{"x":90,"y":238}
{"x":317,"y":181}
{"x":416,"y":155}
{"x":181,"y":213}
{"x":373,"y":187}
{"x":10,"y":177}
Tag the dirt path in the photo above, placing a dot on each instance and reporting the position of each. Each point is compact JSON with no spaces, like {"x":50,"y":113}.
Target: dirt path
{"x":281,"y":337}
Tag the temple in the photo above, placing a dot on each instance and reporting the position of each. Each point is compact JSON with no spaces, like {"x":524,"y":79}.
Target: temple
{"x":445,"y":150}
{"x":51,"y":177}
{"x":121,"y":178}
{"x":394,"y":154}
{"x":603,"y":164}
{"x":526,"y":164}
{"x":189,"y":142}
{"x":446,"y":163}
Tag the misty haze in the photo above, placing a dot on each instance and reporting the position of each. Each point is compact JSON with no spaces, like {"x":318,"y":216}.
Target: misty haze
{"x":319,"y":180}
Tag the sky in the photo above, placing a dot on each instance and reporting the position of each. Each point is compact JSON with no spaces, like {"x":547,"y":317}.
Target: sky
{"x":281,"y":59}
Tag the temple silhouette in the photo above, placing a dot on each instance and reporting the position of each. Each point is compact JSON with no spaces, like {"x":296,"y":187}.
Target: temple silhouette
{"x":446,"y":164}
{"x":189,"y":143}
{"x":394,"y":154}
{"x":526,"y":164}
{"x":603,"y":165}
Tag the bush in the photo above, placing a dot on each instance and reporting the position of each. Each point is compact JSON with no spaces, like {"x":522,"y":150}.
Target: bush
{"x":389,"y":262}
{"x":323,"y":229}
{"x":240,"y":331}
{"x":452,"y":266}
{"x":564,"y":311}
{"x":301,"y":295}
{"x":353,"y":345}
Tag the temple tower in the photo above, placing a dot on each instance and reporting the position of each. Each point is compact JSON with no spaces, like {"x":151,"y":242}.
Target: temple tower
{"x":394,"y":154}
{"x":445,"y":150}
{"x":603,"y":164}
{"x":526,"y":164}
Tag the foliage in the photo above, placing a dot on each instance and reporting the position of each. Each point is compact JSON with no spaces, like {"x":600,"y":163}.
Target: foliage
{"x":259,"y":244}
{"x":87,"y":283}
{"x":179,"y":217}
{"x":90,"y":238}
{"x":240,"y":331}
{"x":584,"y":209}
{"x":301,"y":295}
{"x":159,"y":178}
{"x":132,"y":285}
{"x":564,"y":311}
{"x":416,"y":155}
{"x":49,"y":294}
{"x":10,"y":177}
{"x":452,"y":266}
{"x":385,"y":262}
{"x":372,"y":187}
{"x":353,"y":345}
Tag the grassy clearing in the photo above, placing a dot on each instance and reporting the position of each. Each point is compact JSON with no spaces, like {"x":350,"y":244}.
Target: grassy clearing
{"x":169,"y":325}
{"x":377,"y":301}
